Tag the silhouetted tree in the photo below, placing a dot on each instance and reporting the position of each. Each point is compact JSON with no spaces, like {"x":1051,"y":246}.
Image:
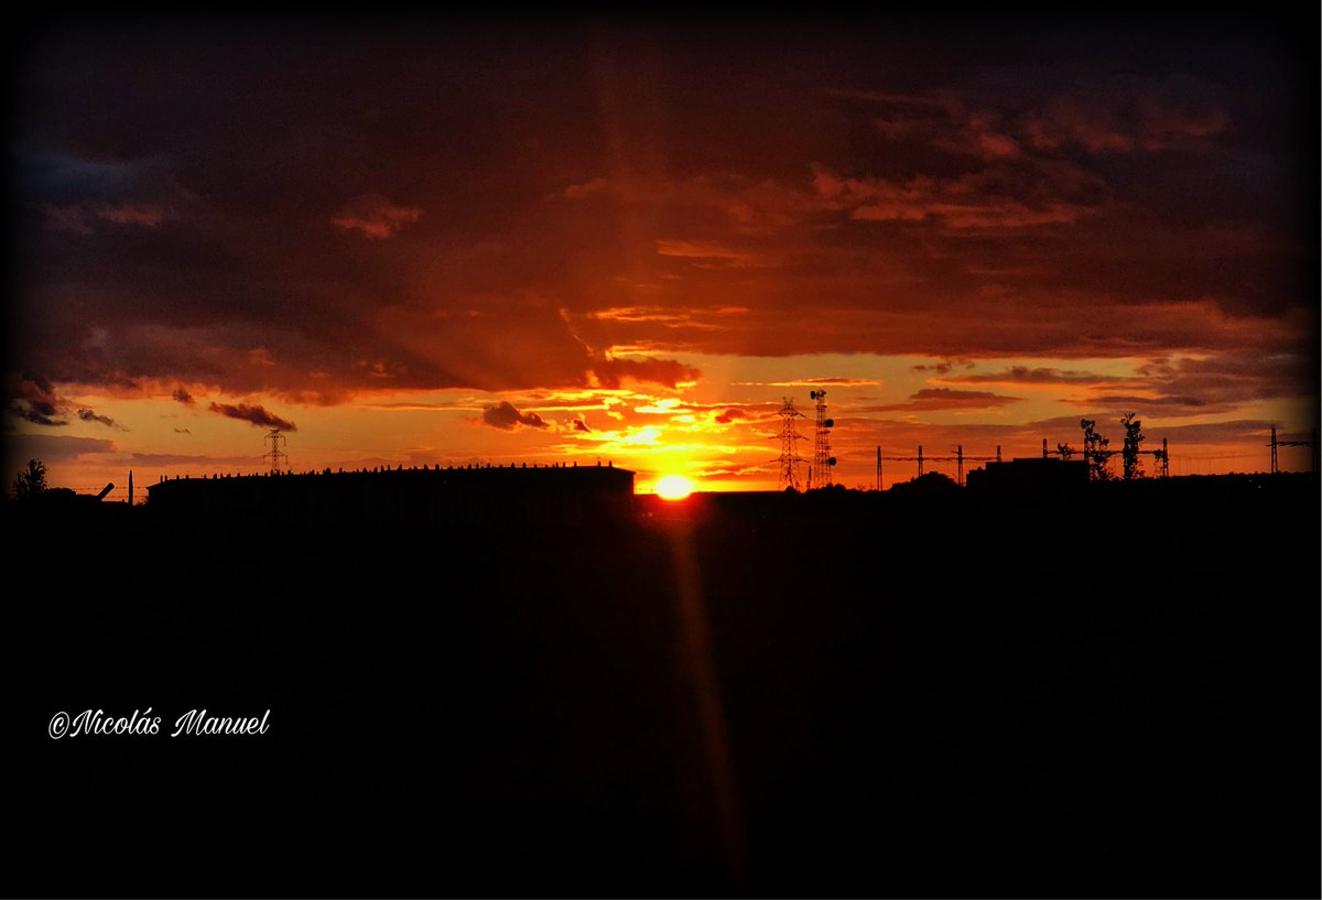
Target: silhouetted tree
{"x":1095,"y":451}
{"x":932,"y":483}
{"x":31,"y":481}
{"x":1065,"y":451}
{"x":1133,"y":438}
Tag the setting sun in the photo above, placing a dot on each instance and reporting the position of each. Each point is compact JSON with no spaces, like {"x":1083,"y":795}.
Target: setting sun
{"x":674,"y":487}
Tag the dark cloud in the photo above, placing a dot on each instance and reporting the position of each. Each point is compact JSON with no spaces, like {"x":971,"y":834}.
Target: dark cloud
{"x":1127,"y":113}
{"x":730,"y":415}
{"x":33,"y":398}
{"x":51,"y":449}
{"x":815,"y":382}
{"x":83,"y":196}
{"x":183,"y":203}
{"x":197,"y":461}
{"x":945,"y":398}
{"x":1188,"y":386}
{"x":1167,"y":406}
{"x":254,"y":415}
{"x":1033,"y":375}
{"x":36,"y":412}
{"x":581,"y":425}
{"x":183,"y":397}
{"x":999,"y":198}
{"x":1230,"y":378}
{"x":145,"y":215}
{"x":89,"y":415}
{"x":503,"y":415}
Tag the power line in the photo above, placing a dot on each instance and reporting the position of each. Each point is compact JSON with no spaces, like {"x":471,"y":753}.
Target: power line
{"x":958,"y":459}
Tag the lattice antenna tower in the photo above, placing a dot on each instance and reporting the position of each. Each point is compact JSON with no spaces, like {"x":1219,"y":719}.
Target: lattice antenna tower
{"x":789,"y":451}
{"x":822,"y":460}
{"x":275,"y":442}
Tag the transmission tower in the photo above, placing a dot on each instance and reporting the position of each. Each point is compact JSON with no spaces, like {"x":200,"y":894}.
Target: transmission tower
{"x":275,"y":441}
{"x":822,"y":460}
{"x":1277,"y":443}
{"x":789,"y":450}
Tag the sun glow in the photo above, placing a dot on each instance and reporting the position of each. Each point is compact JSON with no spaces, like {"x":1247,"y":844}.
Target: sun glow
{"x":673,"y":487}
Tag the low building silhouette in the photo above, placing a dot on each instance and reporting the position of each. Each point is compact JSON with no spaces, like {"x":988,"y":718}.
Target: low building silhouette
{"x":1030,"y":475}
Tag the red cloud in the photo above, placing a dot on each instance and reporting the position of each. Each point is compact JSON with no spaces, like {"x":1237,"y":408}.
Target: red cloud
{"x":147,"y":215}
{"x":1129,"y":113}
{"x":667,"y":372}
{"x":374,"y":216}
{"x":987,"y":199}
{"x":977,"y":217}
{"x":710,"y":253}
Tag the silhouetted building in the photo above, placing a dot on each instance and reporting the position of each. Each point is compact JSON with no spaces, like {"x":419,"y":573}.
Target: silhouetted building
{"x":1030,"y":475}
{"x":421,"y":496}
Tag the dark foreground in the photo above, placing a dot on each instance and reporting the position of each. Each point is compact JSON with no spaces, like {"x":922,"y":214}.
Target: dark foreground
{"x":1109,"y":694}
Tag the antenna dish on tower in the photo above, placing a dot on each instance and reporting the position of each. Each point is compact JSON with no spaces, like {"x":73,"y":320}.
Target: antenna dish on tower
{"x":822,"y":460}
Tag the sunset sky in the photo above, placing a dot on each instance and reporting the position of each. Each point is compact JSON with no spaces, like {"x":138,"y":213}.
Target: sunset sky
{"x":575,"y":239}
